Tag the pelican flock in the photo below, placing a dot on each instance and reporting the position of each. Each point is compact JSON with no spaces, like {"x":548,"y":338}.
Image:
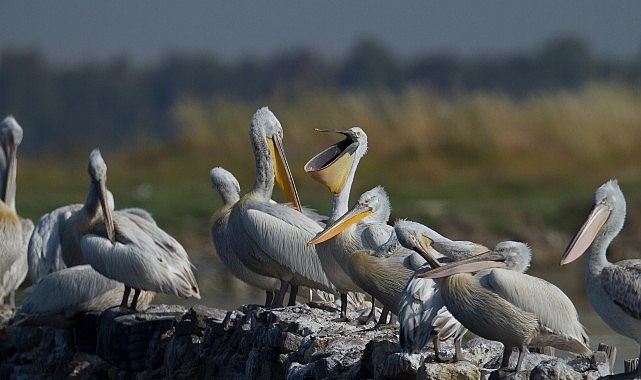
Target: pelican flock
{"x":93,"y":256}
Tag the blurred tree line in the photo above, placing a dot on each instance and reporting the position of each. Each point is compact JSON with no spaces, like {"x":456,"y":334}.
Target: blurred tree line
{"x":119,"y":103}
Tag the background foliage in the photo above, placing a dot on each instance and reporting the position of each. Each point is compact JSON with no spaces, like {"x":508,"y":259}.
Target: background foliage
{"x":481,"y":149}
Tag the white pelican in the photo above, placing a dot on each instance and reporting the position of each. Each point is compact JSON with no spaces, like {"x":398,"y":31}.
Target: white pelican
{"x":44,"y":253}
{"x":16,"y":251}
{"x":500,"y":303}
{"x":382,"y":270}
{"x":335,"y":168}
{"x":229,"y":189}
{"x":269,"y":237}
{"x":127,"y":247}
{"x":421,"y":310}
{"x":614,"y":289}
{"x":89,"y":215}
{"x":61,"y":296}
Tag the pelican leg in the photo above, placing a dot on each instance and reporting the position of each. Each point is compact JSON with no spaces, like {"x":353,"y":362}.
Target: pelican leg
{"x":522,"y":352}
{"x":458,"y":350}
{"x":269,"y":298}
{"x":638,"y":370}
{"x":293,"y":292}
{"x":343,"y":317}
{"x":382,"y":320}
{"x":280,"y":296}
{"x":372,"y":314}
{"x":12,"y":300}
{"x":437,"y":349}
{"x":134,"y":301}
{"x":507,"y":352}
{"x":125,"y":297}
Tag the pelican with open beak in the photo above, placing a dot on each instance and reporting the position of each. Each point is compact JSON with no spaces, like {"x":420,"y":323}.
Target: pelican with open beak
{"x":335,"y":168}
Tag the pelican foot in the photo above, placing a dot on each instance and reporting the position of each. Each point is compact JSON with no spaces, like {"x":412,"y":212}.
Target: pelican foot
{"x":439,"y":359}
{"x":365,"y":319}
{"x":379,"y":326}
{"x":322,"y":305}
{"x":340,"y":319}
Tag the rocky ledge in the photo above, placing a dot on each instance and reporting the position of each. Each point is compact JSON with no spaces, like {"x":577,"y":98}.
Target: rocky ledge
{"x":299,"y":342}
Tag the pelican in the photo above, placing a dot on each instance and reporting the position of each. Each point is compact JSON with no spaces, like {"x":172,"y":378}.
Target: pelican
{"x":501,"y":303}
{"x":13,"y":249}
{"x":77,"y":290}
{"x":421,"y":310}
{"x":335,"y":168}
{"x":614,"y":289}
{"x":229,"y":189}
{"x":44,"y":252}
{"x":89,"y":215}
{"x":382,"y":271}
{"x":269,"y":237}
{"x":127,"y":247}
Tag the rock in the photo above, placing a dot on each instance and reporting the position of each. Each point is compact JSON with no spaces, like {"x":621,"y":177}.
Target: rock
{"x":446,"y":371}
{"x":298,"y":342}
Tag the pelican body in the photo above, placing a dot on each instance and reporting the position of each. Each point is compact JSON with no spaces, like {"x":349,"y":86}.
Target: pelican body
{"x":44,"y":253}
{"x":382,"y":269}
{"x":421,"y":310}
{"x":126,"y":246}
{"x":614,"y":289}
{"x":270,"y":238}
{"x":229,"y":189}
{"x":77,"y":290}
{"x":335,"y":168}
{"x":15,"y":229}
{"x":500,"y":303}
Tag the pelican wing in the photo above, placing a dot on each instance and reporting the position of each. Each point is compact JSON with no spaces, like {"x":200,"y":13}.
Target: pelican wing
{"x":73,"y":287}
{"x":382,"y":277}
{"x":43,"y":251}
{"x":282,"y":233}
{"x":446,"y":325}
{"x":374,"y":235}
{"x":418,"y":306}
{"x":78,"y":289}
{"x":622,"y":283}
{"x":143,"y":257}
{"x":553,"y":308}
{"x":458,"y":249}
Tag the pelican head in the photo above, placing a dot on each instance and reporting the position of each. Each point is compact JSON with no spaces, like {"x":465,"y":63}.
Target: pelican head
{"x":11,"y":130}
{"x":265,"y":121}
{"x":10,"y":137}
{"x":411,"y":236}
{"x":373,"y":203}
{"x":483,"y":261}
{"x":97,"y":169}
{"x":606,"y":217}
{"x":510,"y":255}
{"x":226,"y":184}
{"x":332,"y":166}
{"x":516,"y":255}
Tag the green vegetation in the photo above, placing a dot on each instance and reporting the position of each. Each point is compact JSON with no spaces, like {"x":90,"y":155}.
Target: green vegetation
{"x":475,"y":166}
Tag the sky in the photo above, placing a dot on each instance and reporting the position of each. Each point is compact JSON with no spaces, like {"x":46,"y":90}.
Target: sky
{"x":144,"y":31}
